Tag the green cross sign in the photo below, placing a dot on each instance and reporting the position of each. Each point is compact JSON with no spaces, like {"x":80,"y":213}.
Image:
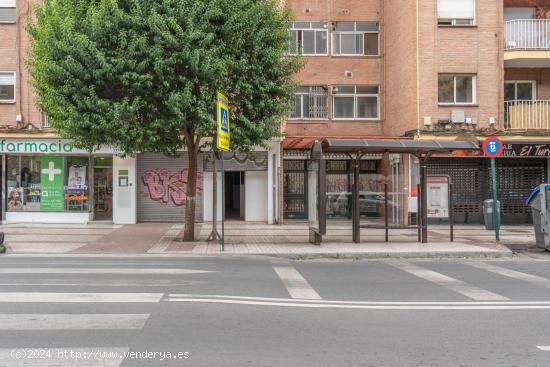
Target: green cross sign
{"x":51,"y":183}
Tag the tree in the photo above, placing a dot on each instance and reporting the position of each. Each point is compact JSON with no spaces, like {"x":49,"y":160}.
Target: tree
{"x":142,"y":75}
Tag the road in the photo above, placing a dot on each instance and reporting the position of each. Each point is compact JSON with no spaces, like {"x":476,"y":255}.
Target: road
{"x":260,"y":311}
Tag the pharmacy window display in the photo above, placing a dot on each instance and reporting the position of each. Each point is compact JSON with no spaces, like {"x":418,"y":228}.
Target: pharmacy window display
{"x":48,"y":183}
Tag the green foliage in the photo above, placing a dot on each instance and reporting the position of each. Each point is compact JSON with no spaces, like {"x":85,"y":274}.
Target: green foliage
{"x":139,"y":75}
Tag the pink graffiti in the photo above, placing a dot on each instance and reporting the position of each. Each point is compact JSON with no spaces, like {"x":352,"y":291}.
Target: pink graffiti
{"x":165,"y":186}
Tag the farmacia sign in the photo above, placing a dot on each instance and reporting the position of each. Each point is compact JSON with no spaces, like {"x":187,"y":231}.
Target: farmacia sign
{"x":51,"y":146}
{"x":39,"y":146}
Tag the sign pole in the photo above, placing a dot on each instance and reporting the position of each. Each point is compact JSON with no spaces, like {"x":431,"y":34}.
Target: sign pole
{"x":223,"y":142}
{"x":214,"y":235}
{"x":493,"y":148}
{"x":223,"y":204}
{"x":496,"y":214}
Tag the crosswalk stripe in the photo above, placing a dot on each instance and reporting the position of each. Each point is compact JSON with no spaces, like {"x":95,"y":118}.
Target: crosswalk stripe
{"x":545,"y":348}
{"x":55,"y":297}
{"x":72,"y":321}
{"x":455,"y":285}
{"x":61,"y":270}
{"x":544,"y":282}
{"x":294,"y":282}
{"x":62,"y":357}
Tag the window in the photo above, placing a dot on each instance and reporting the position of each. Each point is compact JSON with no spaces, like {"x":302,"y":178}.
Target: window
{"x":356,"y":38}
{"x":457,"y":89}
{"x":7,"y":11}
{"x":47,"y":183}
{"x":7,"y":86}
{"x":356,"y":102}
{"x":308,"y":38}
{"x":456,"y":12}
{"x":310,"y":103}
{"x":520,"y":90}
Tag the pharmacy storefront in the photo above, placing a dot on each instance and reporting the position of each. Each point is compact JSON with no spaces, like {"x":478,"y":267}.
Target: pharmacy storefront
{"x":50,"y":181}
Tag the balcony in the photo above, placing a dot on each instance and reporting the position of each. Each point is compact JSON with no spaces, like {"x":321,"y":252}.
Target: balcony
{"x":527,"y":115}
{"x":527,"y":43}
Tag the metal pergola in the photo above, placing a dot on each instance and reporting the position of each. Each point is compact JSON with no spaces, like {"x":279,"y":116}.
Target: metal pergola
{"x":355,"y":149}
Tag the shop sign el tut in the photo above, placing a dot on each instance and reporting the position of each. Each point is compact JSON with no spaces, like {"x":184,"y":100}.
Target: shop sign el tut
{"x":526,"y":150}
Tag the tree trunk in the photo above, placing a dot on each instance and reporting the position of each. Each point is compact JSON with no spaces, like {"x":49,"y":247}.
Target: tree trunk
{"x":191,"y":190}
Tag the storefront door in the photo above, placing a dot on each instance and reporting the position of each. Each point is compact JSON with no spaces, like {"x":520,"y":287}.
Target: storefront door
{"x":295,"y":189}
{"x":103,"y":189}
{"x":234,"y":195}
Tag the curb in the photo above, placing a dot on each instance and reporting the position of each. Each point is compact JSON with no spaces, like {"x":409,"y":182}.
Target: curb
{"x":292,"y":256}
{"x":400,"y":255}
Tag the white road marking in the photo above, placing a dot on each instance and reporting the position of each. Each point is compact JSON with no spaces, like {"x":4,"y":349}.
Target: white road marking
{"x":97,"y":283}
{"x":545,"y":348}
{"x":61,"y":270}
{"x":455,"y":285}
{"x":293,"y":281}
{"x":62,"y":357}
{"x":72,"y":321}
{"x":303,"y":304}
{"x":177,"y":296}
{"x":180,"y":262}
{"x":544,"y":282}
{"x":54,"y":297}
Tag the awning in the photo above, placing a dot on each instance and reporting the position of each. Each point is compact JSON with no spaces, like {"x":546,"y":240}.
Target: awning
{"x":305,"y":142}
{"x":394,"y":146}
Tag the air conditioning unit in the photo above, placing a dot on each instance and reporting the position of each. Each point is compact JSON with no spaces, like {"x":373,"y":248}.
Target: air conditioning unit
{"x":458,"y":116}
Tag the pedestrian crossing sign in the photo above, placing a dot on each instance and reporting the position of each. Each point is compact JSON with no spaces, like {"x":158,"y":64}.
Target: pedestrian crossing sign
{"x":224,"y":134}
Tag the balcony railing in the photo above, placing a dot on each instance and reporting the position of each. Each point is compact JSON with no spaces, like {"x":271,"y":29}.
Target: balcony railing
{"x":527,"y":34}
{"x":527,"y":115}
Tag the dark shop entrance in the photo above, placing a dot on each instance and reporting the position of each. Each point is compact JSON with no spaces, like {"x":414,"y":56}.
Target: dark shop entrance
{"x":234,"y":195}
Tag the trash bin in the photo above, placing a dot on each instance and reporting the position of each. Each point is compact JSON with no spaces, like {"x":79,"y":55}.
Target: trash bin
{"x":488,"y":213}
{"x":539,"y":201}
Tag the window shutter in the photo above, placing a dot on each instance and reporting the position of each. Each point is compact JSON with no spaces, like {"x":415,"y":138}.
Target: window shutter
{"x":456,"y":9}
{"x":7,"y":79}
{"x":7,"y":3}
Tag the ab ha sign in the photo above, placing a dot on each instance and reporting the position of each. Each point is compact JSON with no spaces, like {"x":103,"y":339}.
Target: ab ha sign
{"x":224,"y":134}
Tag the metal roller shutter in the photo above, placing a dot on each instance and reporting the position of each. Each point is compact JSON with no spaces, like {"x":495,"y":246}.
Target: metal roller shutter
{"x":471,"y":180}
{"x":466,"y":176}
{"x":161,"y":188}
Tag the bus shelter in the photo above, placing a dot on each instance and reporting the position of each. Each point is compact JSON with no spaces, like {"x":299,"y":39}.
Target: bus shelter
{"x":356,"y":149}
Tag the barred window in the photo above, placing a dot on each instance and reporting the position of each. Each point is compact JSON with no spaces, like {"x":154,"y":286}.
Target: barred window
{"x":310,"y":102}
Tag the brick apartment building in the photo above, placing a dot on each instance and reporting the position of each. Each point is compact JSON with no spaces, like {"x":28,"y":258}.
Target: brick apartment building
{"x":424,"y":69}
{"x":406,"y":69}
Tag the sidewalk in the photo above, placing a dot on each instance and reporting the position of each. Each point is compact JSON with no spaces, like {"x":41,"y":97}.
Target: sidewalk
{"x":289,"y":240}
